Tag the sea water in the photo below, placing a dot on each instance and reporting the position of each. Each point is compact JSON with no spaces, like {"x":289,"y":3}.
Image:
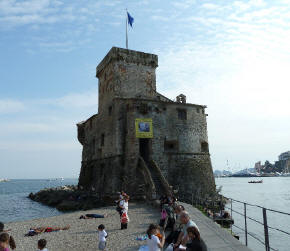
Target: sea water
{"x":14,"y":204}
{"x":273,"y":193}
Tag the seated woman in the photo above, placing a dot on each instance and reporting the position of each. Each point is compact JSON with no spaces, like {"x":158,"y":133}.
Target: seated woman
{"x":39,"y":230}
{"x":197,"y":244}
{"x":93,"y":216}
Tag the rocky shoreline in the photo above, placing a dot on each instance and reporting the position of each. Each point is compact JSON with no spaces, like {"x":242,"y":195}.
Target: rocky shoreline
{"x":69,"y":198}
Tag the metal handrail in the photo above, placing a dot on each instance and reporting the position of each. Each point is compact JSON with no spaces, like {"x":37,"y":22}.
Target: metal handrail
{"x":199,"y":200}
{"x":253,"y":205}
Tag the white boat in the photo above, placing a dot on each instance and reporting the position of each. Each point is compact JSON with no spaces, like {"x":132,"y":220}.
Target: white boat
{"x":4,"y":180}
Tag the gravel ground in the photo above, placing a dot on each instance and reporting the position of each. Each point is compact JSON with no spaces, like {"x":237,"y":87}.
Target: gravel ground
{"x":82,"y":234}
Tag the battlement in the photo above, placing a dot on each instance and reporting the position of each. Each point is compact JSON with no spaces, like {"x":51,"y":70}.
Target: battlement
{"x":128,"y":56}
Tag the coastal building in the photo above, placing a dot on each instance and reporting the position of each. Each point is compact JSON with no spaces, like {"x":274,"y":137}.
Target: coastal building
{"x":141,"y":141}
{"x":258,"y":167}
{"x":284,"y":162}
{"x":284,"y":156}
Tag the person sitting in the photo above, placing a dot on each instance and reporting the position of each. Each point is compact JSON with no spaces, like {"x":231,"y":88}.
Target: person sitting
{"x":173,"y":236}
{"x":187,"y":222}
{"x":196,"y":244}
{"x":39,"y":230}
{"x":93,"y":216}
{"x":153,"y":242}
{"x":4,"y":242}
{"x":41,"y":244}
{"x":11,"y":239}
{"x":226,"y":215}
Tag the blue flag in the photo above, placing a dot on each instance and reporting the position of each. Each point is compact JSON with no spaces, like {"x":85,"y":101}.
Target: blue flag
{"x":130,"y":19}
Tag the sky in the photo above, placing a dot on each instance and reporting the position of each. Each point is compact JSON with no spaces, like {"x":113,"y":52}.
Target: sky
{"x":233,"y":56}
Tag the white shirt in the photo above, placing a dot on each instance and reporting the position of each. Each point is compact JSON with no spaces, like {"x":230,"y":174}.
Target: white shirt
{"x":124,"y":204}
{"x":153,"y":243}
{"x":45,"y":249}
{"x":102,"y":235}
{"x":190,"y":223}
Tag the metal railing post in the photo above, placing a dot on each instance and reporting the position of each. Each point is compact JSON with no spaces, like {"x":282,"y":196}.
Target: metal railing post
{"x":221,"y":205}
{"x":231,"y":215}
{"x":246,"y":230}
{"x":267,"y":245}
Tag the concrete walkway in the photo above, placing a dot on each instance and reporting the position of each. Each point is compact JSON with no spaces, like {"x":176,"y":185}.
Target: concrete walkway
{"x":216,"y":238}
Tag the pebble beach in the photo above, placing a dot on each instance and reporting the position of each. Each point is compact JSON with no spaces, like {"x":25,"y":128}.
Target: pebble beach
{"x":83,"y":234}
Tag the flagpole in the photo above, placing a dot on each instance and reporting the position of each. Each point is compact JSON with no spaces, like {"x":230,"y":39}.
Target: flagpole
{"x":126,"y":30}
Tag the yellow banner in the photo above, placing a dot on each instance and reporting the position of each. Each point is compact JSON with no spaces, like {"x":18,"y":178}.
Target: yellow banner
{"x":144,"y":128}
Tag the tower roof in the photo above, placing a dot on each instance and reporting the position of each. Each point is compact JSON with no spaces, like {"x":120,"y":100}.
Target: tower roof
{"x":129,"y":56}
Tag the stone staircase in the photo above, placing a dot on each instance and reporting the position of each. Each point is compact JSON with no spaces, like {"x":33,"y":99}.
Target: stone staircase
{"x":157,"y":182}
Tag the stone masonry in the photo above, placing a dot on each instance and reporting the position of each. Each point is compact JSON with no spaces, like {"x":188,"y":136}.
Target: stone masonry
{"x":114,"y":158}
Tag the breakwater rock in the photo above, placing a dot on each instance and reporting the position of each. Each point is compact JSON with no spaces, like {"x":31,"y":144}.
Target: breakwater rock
{"x":68,"y":198}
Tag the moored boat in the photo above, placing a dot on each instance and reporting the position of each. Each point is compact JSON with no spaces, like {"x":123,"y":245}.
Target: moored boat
{"x":255,"y":181}
{"x":4,"y":180}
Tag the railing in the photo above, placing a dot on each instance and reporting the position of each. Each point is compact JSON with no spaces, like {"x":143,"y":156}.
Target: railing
{"x":218,"y":203}
{"x":266,"y":241}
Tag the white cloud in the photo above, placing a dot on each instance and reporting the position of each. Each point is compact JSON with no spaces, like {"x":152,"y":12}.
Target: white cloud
{"x":183,"y":4}
{"x":209,"y":6}
{"x":79,"y":100}
{"x":8,"y":7}
{"x":160,"y":18}
{"x":37,"y":146}
{"x":45,"y":124}
{"x":11,"y":106}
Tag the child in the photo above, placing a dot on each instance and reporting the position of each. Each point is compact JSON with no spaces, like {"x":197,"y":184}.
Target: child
{"x":153,"y":242}
{"x":41,"y":245}
{"x":4,"y":242}
{"x":124,"y":220}
{"x":102,"y":237}
{"x":11,"y":240}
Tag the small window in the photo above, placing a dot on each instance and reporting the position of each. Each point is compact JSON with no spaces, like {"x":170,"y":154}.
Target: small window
{"x":103,"y":139}
{"x":91,"y":123}
{"x":197,"y":109}
{"x":110,"y":110}
{"x":170,"y":145}
{"x":204,"y":146}
{"x":182,"y":114}
{"x":143,"y":108}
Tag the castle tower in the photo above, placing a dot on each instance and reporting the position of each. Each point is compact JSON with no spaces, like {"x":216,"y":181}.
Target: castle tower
{"x":140,"y":141}
{"x":126,"y":74}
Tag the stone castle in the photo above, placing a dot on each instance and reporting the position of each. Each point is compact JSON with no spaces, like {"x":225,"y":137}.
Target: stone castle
{"x":140,"y":141}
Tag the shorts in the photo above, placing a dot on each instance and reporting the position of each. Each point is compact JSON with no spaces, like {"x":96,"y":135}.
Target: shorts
{"x":102,"y":245}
